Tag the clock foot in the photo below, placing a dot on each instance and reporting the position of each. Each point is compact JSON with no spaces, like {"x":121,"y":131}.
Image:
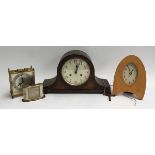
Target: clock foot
{"x":109,"y":98}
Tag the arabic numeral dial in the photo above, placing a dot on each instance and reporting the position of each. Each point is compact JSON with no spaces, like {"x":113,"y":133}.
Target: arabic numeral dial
{"x":75,"y":71}
{"x":130,"y":74}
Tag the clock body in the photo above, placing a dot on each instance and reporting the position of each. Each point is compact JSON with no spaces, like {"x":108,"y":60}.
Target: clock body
{"x":76,"y":74}
{"x":33,"y":93}
{"x":130,"y":77}
{"x":20,"y":79}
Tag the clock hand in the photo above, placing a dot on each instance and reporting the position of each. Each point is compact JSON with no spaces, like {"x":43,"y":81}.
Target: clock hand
{"x":19,"y":84}
{"x":22,"y":80}
{"x":130,"y":73}
{"x":128,"y":68}
{"x":77,"y":67}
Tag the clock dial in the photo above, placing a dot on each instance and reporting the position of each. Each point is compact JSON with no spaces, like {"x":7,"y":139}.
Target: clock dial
{"x":22,"y":80}
{"x":130,"y":74}
{"x":75,"y":71}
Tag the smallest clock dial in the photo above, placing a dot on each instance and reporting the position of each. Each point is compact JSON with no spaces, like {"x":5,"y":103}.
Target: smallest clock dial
{"x":75,"y":71}
{"x":130,"y":74}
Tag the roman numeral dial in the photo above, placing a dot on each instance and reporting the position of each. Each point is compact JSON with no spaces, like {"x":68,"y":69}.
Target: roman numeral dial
{"x":75,"y":71}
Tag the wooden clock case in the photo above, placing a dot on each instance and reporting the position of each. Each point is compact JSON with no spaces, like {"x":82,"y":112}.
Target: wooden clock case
{"x":138,"y":88}
{"x":93,"y":84}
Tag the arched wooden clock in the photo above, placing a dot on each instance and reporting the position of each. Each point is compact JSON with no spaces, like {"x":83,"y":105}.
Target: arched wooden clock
{"x":76,"y":74}
{"x":130,"y":77}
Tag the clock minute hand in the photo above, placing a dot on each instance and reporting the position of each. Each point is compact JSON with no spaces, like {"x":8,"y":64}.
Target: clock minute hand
{"x":77,"y":67}
{"x":22,"y":81}
{"x":128,"y":68}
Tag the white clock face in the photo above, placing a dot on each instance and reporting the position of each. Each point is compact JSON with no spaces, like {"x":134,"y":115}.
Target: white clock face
{"x":130,"y":74}
{"x":22,"y":80}
{"x":75,"y":71}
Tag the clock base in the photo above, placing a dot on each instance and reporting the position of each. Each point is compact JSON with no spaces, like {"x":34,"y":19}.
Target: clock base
{"x":99,"y":86}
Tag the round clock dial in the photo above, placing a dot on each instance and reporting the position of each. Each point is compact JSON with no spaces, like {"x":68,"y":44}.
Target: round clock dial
{"x":130,"y":74}
{"x":75,"y":71}
{"x":22,"y":80}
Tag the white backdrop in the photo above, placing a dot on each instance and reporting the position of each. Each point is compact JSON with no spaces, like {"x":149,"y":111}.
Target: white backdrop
{"x":45,"y":61}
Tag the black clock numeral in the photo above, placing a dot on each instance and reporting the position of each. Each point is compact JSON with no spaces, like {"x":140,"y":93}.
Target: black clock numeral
{"x":85,"y":67}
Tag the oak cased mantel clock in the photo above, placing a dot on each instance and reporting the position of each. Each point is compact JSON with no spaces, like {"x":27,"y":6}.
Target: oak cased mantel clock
{"x":130,"y":77}
{"x":76,"y":74}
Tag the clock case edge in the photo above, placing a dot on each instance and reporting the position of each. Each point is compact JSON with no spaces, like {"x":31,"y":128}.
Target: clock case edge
{"x":94,"y":85}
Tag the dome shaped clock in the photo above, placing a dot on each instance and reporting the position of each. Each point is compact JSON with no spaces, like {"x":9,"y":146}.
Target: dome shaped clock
{"x":130,"y":77}
{"x":76,"y":74}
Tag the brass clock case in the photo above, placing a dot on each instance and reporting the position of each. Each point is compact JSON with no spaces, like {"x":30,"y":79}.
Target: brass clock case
{"x":29,"y":79}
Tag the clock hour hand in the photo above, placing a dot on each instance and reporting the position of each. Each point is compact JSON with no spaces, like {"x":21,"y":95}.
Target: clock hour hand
{"x":130,"y":73}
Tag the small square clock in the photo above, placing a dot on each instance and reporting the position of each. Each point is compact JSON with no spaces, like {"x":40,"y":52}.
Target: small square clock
{"x":19,"y":79}
{"x":33,"y":93}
